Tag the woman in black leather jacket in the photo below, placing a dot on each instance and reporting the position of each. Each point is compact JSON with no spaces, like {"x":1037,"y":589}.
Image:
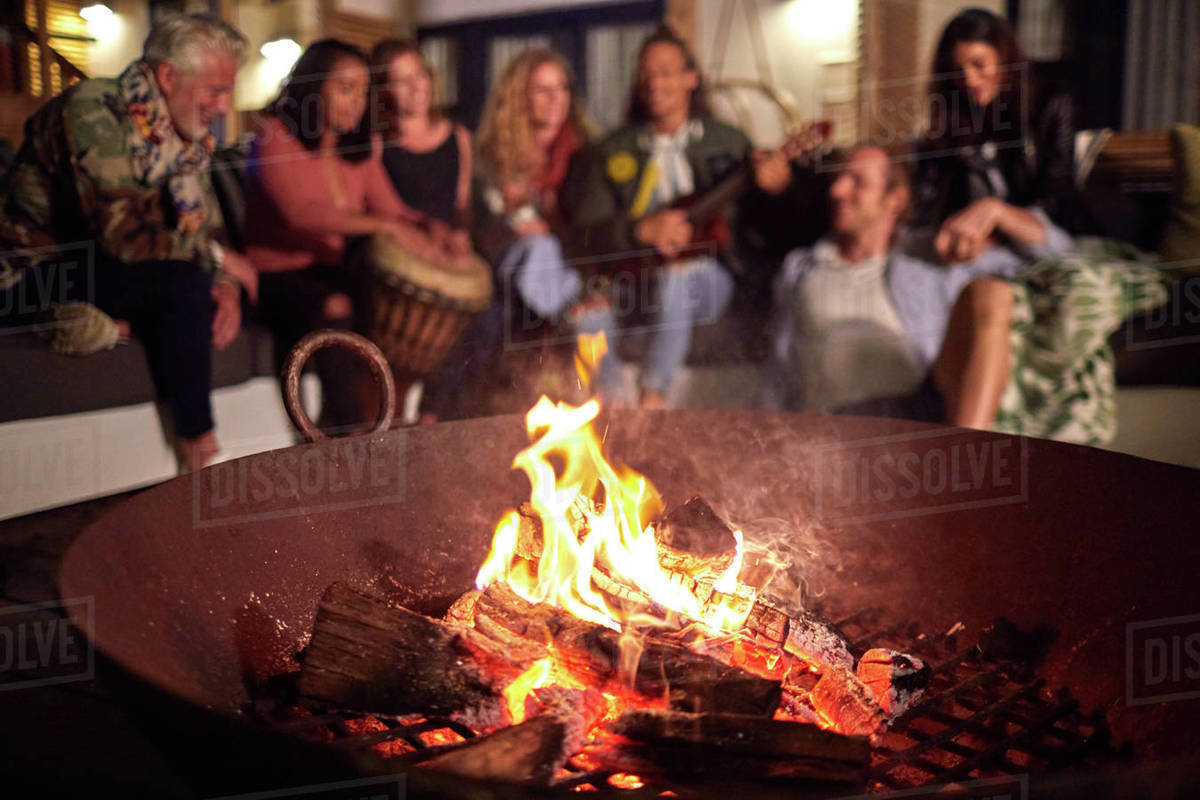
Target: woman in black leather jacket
{"x":995,"y":151}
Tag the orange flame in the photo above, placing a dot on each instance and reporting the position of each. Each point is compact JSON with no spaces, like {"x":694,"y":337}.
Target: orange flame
{"x":516,"y":692}
{"x":596,"y":518}
{"x":609,"y":529}
{"x":589,"y":349}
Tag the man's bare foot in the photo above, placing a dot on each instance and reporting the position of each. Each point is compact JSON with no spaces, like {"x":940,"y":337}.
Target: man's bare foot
{"x":199,"y":451}
{"x":653,"y":400}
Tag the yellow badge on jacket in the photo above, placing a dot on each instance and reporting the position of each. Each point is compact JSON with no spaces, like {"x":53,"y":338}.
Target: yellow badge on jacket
{"x":622,"y":167}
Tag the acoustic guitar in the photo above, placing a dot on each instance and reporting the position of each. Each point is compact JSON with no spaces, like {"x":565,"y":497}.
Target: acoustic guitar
{"x":705,"y":210}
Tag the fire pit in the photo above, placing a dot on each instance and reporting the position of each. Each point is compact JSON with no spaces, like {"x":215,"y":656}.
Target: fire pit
{"x":211,"y":602}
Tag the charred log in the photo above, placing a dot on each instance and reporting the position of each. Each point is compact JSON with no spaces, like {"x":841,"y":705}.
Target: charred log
{"x":692,"y":681}
{"x":368,"y":654}
{"x":705,"y":745}
{"x":897,"y":680}
{"x":741,"y":733}
{"x":529,"y":753}
{"x":817,"y":642}
{"x":694,"y":541}
{"x":845,"y":702}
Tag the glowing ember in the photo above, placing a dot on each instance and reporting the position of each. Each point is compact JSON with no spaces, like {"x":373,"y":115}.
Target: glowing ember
{"x":440,"y":736}
{"x":623,"y":780}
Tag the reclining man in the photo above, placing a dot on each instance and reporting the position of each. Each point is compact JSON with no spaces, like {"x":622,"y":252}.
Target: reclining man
{"x":121,"y":165}
{"x":858,"y":320}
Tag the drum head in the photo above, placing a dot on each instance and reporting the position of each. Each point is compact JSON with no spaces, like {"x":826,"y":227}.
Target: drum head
{"x":466,"y":285}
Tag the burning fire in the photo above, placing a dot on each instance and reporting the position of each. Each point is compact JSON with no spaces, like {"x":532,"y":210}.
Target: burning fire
{"x":594,"y":516}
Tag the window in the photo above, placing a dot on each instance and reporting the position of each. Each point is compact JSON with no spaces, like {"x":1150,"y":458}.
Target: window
{"x":65,"y":34}
{"x":599,"y":42}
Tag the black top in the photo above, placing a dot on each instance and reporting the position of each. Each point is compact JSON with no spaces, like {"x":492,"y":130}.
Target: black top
{"x":427,"y":182}
{"x":1035,"y":166}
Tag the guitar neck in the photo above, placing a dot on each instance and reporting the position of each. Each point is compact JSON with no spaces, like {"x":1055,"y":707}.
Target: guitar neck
{"x":703,"y":206}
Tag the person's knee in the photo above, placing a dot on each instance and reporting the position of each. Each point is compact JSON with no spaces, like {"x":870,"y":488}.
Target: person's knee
{"x":989,"y":300}
{"x":337,"y":307}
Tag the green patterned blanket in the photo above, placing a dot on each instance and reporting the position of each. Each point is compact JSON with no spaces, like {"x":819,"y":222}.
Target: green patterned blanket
{"x":1062,"y":384}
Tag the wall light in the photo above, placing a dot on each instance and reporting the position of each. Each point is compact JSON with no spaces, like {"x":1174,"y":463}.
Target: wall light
{"x":281,"y":53}
{"x":102,"y":23}
{"x":823,"y":21}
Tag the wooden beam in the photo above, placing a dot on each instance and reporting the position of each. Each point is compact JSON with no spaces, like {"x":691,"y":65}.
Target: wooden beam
{"x":681,"y":16}
{"x":891,"y":70}
{"x":45,"y":54}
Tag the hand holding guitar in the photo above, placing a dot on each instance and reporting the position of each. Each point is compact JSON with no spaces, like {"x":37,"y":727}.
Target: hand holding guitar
{"x":772,"y":170}
{"x":667,"y":231}
{"x":670,"y":230}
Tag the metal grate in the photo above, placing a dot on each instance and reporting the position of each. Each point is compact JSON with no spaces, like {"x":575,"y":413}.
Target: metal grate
{"x":979,"y":719}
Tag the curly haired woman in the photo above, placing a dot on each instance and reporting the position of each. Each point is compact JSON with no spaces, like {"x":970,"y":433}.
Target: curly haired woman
{"x":533,"y":126}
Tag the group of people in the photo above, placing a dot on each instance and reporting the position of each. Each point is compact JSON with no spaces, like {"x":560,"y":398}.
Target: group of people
{"x":895,"y":283}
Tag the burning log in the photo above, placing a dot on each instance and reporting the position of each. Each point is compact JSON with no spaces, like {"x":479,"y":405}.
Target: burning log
{"x":768,"y":625}
{"x":528,"y":753}
{"x":897,"y":680}
{"x":692,"y":681}
{"x":462,"y":611}
{"x":580,"y":710}
{"x":694,"y":541}
{"x":845,"y":702}
{"x":742,"y":733}
{"x":368,"y":654}
{"x":697,"y":744}
{"x":816,"y":641}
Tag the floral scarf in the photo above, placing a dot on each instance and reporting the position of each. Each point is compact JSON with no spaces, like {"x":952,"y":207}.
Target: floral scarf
{"x":157,"y":151}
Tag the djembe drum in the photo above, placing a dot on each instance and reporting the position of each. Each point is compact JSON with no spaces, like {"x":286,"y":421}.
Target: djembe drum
{"x":418,"y":309}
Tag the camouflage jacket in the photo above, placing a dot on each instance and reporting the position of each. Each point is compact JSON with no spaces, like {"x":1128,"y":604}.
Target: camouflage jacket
{"x":100,"y":166}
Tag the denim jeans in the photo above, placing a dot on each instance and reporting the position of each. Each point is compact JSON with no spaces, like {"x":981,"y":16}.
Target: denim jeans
{"x":691,"y":293}
{"x":532,"y":271}
{"x":535,"y":266}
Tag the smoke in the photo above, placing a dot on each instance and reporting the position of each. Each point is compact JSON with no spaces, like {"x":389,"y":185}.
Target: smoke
{"x":758,"y":472}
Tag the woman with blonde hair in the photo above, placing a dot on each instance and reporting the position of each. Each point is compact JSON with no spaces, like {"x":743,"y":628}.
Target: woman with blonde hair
{"x":533,"y":125}
{"x":532,"y":128}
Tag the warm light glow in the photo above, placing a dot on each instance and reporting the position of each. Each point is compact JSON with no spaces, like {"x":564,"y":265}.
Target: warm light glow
{"x":516,"y":692}
{"x":728,"y":582}
{"x":589,"y":349}
{"x":281,"y":54}
{"x":822,"y":21}
{"x":598,"y":529}
{"x":623,"y":780}
{"x":102,"y":23}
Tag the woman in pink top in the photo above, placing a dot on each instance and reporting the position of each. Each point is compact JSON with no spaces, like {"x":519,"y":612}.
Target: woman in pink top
{"x":315,"y":190}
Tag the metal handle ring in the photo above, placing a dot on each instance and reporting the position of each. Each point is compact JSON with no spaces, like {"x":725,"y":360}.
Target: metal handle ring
{"x":360,"y":346}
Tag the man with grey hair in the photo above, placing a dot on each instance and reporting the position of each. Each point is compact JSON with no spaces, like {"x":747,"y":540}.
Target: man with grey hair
{"x":117,"y":169}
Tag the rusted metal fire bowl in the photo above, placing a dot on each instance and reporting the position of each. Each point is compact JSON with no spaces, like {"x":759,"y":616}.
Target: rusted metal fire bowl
{"x":209,"y":583}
